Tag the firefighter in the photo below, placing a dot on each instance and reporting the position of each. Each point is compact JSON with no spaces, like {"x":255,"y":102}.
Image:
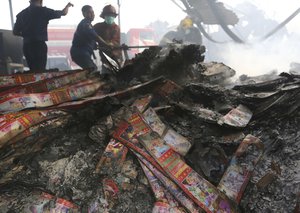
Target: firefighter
{"x":31,"y":24}
{"x":110,"y":32}
{"x":185,"y":33}
{"x":84,"y":40}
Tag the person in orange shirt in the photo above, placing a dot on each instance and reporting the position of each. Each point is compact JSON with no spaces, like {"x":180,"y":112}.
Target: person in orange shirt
{"x":110,"y":32}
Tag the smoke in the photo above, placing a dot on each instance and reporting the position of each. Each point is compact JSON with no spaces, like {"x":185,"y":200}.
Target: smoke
{"x":261,"y":57}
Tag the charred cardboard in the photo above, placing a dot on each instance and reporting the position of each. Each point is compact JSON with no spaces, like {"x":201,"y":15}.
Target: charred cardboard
{"x":238,"y":117}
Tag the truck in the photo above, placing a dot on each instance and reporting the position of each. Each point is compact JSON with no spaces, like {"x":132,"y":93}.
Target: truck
{"x":59,"y":45}
{"x":138,"y":37}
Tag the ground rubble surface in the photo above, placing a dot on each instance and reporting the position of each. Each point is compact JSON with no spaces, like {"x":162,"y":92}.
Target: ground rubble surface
{"x":61,"y":166}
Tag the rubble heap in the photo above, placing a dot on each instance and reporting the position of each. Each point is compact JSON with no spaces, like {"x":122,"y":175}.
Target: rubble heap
{"x":174,"y":135}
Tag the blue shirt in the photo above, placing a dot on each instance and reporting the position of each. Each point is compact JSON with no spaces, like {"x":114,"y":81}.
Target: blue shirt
{"x":85,"y":37}
{"x":32,"y":22}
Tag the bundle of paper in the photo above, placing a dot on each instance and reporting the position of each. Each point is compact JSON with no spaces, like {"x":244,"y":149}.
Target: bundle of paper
{"x":126,"y":134}
{"x":165,"y":202}
{"x":37,"y":100}
{"x":176,"y":141}
{"x":203,"y":193}
{"x":172,"y":188}
{"x":238,"y":117}
{"x":16,"y":126}
{"x":18,"y":79}
{"x":169,"y":163}
{"x":47,"y":84}
{"x":31,"y":131}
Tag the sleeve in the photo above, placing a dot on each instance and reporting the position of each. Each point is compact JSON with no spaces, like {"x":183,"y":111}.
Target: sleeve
{"x":17,"y":30}
{"x":90,"y":31}
{"x":168,"y":38}
{"x":52,"y":14}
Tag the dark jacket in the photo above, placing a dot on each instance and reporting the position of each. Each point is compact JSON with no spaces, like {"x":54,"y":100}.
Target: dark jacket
{"x":32,"y":22}
{"x":85,"y":37}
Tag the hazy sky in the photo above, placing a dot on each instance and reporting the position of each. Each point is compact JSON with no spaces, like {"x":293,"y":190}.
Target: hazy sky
{"x":138,"y":13}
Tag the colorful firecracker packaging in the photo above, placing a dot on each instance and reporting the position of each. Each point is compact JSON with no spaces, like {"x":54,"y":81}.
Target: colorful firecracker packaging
{"x":115,"y":152}
{"x":137,"y":124}
{"x":238,"y":117}
{"x":111,"y":192}
{"x":164,"y":200}
{"x":203,"y":193}
{"x":237,"y":175}
{"x":161,"y":207}
{"x":25,"y":101}
{"x":125,"y":133}
{"x":113,"y":157}
{"x":49,"y":124}
{"x":172,"y":188}
{"x":47,"y":84}
{"x":142,"y":103}
{"x":167,"y":161}
{"x":18,"y":125}
{"x":50,"y":203}
{"x":176,"y":141}
{"x":18,"y":79}
{"x":154,"y":121}
{"x":99,"y":97}
{"x":10,"y":116}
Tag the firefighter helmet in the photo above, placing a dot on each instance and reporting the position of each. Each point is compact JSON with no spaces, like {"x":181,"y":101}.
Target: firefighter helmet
{"x":186,"y":23}
{"x":108,"y":10}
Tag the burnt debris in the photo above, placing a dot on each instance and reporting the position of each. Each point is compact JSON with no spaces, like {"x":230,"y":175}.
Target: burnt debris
{"x":167,"y":133}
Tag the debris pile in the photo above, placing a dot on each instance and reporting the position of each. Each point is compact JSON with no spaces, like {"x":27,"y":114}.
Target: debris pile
{"x":168,"y":133}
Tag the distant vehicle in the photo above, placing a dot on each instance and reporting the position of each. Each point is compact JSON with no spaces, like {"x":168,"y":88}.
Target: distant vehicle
{"x":59,"y":45}
{"x":138,"y":37}
{"x":60,"y":62}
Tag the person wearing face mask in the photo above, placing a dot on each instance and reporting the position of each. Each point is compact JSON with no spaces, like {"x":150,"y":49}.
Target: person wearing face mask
{"x":185,"y":33}
{"x":32,"y":24}
{"x":84,"y":40}
{"x":110,"y":32}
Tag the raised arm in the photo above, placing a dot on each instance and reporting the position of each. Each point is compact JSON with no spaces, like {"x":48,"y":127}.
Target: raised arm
{"x":66,"y":9}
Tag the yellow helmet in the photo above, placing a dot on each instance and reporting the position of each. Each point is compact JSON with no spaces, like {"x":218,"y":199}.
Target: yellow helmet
{"x":186,"y":23}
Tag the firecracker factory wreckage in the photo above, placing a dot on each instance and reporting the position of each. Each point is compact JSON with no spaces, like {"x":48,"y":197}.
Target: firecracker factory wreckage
{"x":167,"y":133}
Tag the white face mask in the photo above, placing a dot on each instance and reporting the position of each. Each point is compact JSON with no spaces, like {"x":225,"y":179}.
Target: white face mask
{"x":109,"y":19}
{"x":187,"y":31}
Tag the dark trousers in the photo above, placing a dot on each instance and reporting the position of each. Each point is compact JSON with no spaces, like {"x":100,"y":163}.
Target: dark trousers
{"x":83,"y":58}
{"x":35,"y":53}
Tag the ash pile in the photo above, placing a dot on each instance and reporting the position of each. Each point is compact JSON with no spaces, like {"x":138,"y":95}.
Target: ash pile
{"x":167,"y":133}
